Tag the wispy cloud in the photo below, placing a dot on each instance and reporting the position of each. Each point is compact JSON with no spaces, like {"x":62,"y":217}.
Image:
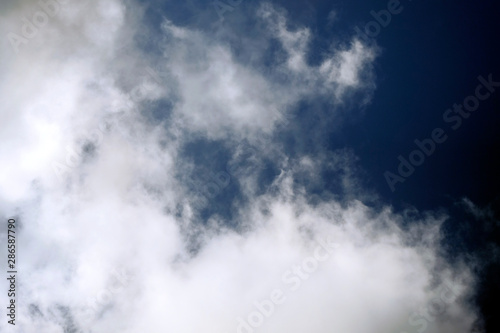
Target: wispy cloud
{"x":125,"y":201}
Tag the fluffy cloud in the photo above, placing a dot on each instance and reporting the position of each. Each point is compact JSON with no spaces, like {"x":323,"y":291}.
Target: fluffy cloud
{"x":108,"y":229}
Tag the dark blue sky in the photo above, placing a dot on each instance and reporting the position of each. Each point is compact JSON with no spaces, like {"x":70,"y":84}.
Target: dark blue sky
{"x":430,"y":57}
{"x":219,"y":152}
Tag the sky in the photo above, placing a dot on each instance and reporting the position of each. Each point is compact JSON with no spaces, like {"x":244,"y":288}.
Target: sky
{"x":249,"y":166}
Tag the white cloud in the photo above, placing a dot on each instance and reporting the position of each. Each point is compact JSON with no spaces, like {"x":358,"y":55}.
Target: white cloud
{"x":121,"y":205}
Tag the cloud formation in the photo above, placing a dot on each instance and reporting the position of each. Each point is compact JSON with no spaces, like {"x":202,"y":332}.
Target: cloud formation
{"x":111,"y":240}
